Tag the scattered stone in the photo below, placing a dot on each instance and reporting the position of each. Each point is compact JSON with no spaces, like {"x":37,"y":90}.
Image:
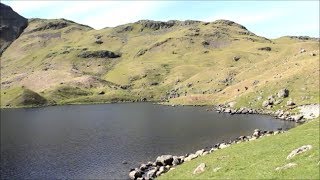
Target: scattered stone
{"x":236,"y":58}
{"x":312,"y":54}
{"x":101,"y":92}
{"x":297,"y":117}
{"x":265,"y":49}
{"x":290,"y":103}
{"x":200,"y":169}
{"x":302,"y":50}
{"x":265,"y":103}
{"x":124,"y":162}
{"x":287,"y":166}
{"x":299,"y":151}
{"x":283,"y":93}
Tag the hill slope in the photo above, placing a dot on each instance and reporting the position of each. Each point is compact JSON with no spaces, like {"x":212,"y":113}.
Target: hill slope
{"x":182,"y":62}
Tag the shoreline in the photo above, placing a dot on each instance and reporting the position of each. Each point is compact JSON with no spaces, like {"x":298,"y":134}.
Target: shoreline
{"x":166,"y":163}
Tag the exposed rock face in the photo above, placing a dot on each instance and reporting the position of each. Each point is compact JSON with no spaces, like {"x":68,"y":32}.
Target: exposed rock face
{"x":98,"y":54}
{"x":11,"y":26}
{"x":156,"y":25}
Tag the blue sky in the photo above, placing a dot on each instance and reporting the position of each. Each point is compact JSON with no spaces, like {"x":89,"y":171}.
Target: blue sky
{"x":271,"y":19}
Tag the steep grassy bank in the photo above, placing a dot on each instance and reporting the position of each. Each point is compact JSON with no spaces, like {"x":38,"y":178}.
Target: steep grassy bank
{"x":258,"y":159}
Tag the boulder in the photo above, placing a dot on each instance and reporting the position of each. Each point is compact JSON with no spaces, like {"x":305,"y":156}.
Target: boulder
{"x":223,"y":145}
{"x":151,"y":173}
{"x":199,"y":152}
{"x":299,"y":151}
{"x":176,"y":161}
{"x":200,"y":169}
{"x":283,"y":93}
{"x":160,"y":171}
{"x":164,"y":160}
{"x":297,"y":117}
{"x":265,"y":49}
{"x":190,"y":157}
{"x":135,"y":174}
{"x":290,"y":103}
{"x":265,"y":103}
{"x":236,"y":58}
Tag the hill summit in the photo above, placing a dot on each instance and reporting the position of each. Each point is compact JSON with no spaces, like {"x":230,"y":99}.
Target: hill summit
{"x":178,"y":62}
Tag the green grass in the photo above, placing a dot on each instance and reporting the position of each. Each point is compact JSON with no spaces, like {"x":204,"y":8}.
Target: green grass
{"x":258,"y":159}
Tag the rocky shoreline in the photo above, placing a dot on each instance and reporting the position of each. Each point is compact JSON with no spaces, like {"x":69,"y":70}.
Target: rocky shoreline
{"x":279,"y":114}
{"x":165,"y":163}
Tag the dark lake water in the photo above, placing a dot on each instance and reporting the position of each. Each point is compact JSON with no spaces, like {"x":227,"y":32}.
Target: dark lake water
{"x":92,"y":141}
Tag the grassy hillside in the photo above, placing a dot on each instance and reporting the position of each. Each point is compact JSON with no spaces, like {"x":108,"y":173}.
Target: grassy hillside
{"x":259,"y":159}
{"x":177,"y":62}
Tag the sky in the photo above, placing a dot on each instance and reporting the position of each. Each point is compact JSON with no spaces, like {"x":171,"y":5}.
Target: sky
{"x":271,"y":19}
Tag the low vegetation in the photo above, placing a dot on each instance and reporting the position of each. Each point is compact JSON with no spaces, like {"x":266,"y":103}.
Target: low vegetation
{"x":264,"y":158}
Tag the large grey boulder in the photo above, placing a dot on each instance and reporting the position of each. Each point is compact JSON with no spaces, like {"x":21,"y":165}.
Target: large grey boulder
{"x":11,"y":26}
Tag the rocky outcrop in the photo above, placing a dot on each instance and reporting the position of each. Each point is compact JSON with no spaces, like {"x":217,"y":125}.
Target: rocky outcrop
{"x":99,"y":54}
{"x":157,"y":25}
{"x":11,"y":26}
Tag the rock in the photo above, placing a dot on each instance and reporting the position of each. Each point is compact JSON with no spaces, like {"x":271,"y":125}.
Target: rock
{"x":265,"y":103}
{"x":236,"y":58}
{"x":205,"y":153}
{"x":151,"y":173}
{"x":290,"y":103}
{"x":256,"y":133}
{"x":283,"y":93}
{"x":299,"y":151}
{"x":124,"y":162}
{"x":101,"y":92}
{"x":11,"y":26}
{"x":135,"y":174}
{"x":189,"y":85}
{"x":190,"y":157}
{"x":98,"y":41}
{"x":223,"y":145}
{"x":200,"y":169}
{"x":160,"y":171}
{"x":227,"y":110}
{"x":265,"y":49}
{"x":164,"y":160}
{"x":302,"y":50}
{"x":98,"y":54}
{"x":297,"y":117}
{"x":287,"y":166}
{"x":312,"y":54}
{"x":199,"y":152}
{"x":143,"y":167}
{"x":176,"y":161}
